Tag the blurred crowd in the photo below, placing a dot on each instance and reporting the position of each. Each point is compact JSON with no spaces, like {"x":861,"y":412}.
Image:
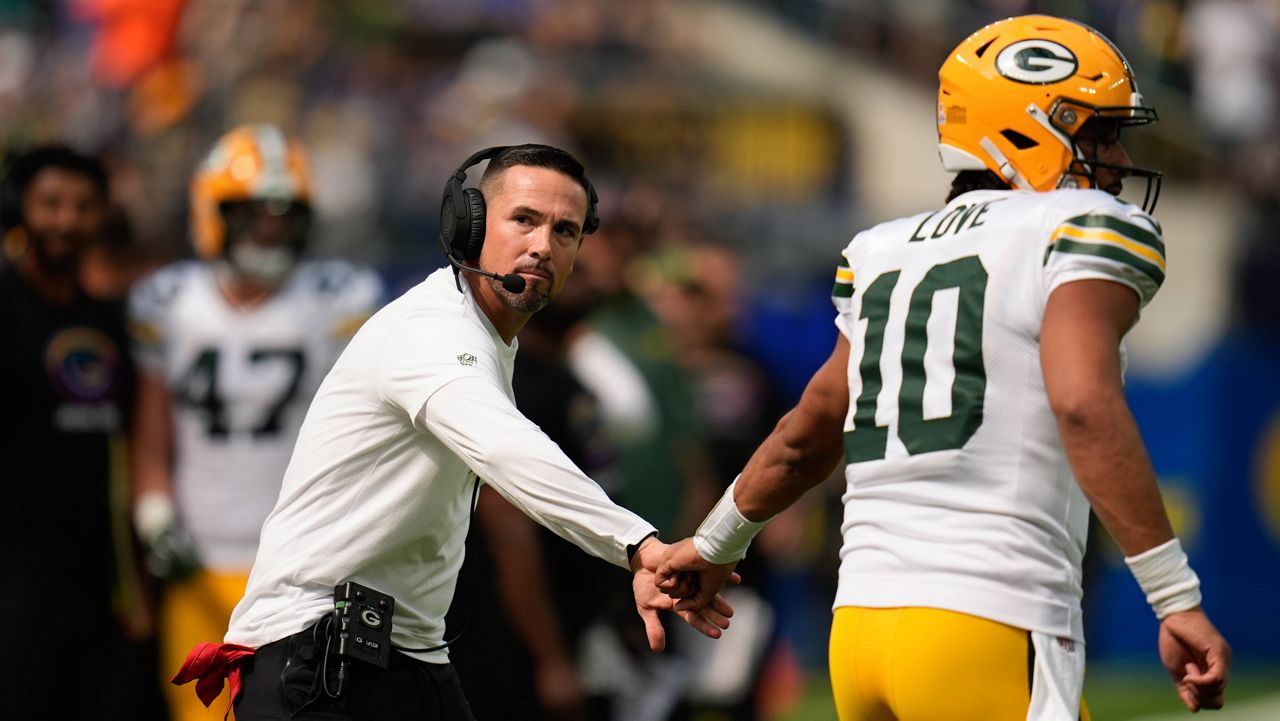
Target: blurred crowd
{"x":669,"y":361}
{"x":389,"y":96}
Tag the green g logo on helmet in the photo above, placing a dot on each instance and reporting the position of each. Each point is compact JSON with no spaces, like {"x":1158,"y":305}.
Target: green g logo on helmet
{"x":1036,"y":62}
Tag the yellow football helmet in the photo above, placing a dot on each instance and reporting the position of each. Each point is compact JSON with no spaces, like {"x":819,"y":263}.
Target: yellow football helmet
{"x":250,"y":163}
{"x":1012,"y":95}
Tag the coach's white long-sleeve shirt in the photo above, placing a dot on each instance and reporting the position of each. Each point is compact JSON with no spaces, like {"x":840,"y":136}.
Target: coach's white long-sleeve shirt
{"x":378,"y":490}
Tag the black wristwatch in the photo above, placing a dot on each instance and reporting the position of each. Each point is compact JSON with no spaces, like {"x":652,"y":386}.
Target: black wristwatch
{"x":633,"y":547}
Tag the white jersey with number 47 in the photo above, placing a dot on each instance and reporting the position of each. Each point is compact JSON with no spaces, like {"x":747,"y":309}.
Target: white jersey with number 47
{"x":959,"y":493}
{"x":240,"y":382}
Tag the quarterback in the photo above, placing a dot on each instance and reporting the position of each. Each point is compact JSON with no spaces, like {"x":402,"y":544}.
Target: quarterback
{"x":232,"y":347}
{"x":975,"y":393}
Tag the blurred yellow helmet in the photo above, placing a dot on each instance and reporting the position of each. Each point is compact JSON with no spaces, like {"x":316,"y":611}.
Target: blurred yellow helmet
{"x":250,"y":163}
{"x":1012,"y":95}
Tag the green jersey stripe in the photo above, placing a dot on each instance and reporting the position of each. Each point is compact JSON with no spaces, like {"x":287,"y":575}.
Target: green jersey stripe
{"x":1133,"y":232}
{"x":1111,"y":252}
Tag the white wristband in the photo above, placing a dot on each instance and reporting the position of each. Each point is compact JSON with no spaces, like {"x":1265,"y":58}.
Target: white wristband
{"x":1167,"y":579}
{"x":725,"y":533}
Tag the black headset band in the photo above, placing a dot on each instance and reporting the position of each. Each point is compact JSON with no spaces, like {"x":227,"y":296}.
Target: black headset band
{"x":460,"y":176}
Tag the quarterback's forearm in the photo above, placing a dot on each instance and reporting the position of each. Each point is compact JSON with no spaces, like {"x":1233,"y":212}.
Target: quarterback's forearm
{"x":1111,"y":465}
{"x":805,"y":446}
{"x":1080,"y":356}
{"x":786,"y":465}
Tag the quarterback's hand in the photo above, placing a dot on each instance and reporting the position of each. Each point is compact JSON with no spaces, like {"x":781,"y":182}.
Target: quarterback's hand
{"x":683,"y":574}
{"x":710,"y":619}
{"x":1197,"y":657}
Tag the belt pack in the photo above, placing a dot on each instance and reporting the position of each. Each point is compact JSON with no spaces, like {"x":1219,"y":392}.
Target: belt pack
{"x":362,"y":624}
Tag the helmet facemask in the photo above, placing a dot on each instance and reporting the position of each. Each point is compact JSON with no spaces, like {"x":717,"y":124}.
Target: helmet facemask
{"x":265,"y":238}
{"x":1066,"y":114}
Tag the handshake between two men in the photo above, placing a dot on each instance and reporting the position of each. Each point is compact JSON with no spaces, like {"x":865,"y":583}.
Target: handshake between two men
{"x":673,"y":577}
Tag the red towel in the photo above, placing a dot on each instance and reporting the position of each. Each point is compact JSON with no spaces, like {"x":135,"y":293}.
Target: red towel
{"x":208,"y":665}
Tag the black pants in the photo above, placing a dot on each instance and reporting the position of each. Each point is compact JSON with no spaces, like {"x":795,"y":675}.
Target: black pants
{"x":283,"y":680}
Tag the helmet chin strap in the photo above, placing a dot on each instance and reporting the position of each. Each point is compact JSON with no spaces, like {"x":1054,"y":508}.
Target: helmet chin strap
{"x":1007,"y":171}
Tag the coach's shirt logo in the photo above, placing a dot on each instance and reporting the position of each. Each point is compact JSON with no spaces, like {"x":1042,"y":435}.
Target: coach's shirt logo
{"x":466,"y":359}
{"x":1036,"y":62}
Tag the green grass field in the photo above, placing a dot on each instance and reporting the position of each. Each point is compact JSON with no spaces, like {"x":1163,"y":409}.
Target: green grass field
{"x":1117,"y":692}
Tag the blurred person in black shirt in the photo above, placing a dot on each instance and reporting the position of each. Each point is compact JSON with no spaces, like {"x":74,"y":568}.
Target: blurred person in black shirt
{"x":64,"y":379}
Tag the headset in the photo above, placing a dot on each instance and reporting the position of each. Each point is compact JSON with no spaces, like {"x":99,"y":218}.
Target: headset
{"x":462,"y":217}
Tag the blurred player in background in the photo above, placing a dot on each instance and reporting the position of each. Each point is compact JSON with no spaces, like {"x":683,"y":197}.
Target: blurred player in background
{"x":976,"y":395}
{"x":231,"y":347}
{"x":66,"y":384}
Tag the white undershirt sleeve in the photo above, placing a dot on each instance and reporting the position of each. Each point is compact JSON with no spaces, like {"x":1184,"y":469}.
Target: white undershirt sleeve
{"x":510,"y":453}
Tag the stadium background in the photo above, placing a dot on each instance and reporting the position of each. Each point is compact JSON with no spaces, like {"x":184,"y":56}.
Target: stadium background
{"x":777,"y":127}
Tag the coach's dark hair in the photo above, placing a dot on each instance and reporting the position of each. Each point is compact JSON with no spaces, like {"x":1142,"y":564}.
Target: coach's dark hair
{"x":968,"y":180}
{"x":538,"y":156}
{"x":23,"y":168}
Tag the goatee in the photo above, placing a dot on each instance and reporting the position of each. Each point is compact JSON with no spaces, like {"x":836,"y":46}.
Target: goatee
{"x":530,"y":300}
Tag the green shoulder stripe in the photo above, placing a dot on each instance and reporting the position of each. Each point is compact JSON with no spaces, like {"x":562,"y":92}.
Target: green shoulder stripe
{"x":843,"y":290}
{"x":1135,"y":233}
{"x":1111,"y":252}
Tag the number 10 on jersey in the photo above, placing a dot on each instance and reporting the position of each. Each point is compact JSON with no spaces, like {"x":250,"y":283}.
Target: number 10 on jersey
{"x":868,"y":441}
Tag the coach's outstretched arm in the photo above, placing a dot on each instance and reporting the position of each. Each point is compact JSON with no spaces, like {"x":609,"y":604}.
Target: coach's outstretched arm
{"x":1084,"y":323}
{"x":800,"y":453}
{"x":535,"y":476}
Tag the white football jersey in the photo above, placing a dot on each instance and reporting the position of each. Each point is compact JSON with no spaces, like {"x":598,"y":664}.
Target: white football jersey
{"x":240,"y":383}
{"x":959,"y":494}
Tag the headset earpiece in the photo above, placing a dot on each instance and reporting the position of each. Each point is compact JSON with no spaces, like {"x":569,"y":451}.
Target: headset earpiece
{"x":462,"y":211}
{"x":471,"y":238}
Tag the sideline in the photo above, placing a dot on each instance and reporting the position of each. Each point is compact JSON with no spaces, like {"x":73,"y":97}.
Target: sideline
{"x":1254,"y":709}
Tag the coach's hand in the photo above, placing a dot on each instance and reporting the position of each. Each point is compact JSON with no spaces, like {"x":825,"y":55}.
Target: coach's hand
{"x":681,"y":567}
{"x":1197,"y":657}
{"x":710,"y":619}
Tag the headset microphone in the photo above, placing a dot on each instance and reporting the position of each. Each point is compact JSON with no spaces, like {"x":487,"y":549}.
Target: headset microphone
{"x":512,"y":282}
